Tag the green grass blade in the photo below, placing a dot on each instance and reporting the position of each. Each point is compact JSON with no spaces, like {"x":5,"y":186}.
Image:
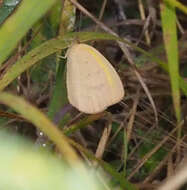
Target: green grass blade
{"x":47,"y":48}
{"x":59,"y":98}
{"x":83,"y":123}
{"x":16,"y":26}
{"x":54,"y":45}
{"x":168,"y":16}
{"x":177,"y":4}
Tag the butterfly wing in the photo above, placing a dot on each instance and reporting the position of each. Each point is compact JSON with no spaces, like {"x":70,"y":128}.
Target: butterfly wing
{"x":92,"y":82}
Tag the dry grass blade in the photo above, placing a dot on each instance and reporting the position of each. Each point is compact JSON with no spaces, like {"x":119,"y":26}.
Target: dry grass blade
{"x":142,"y":13}
{"x":104,"y":139}
{"x":132,"y":117}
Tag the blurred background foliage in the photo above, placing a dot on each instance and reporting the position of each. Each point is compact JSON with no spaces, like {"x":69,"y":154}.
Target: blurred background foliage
{"x":136,"y":143}
{"x":24,"y":166}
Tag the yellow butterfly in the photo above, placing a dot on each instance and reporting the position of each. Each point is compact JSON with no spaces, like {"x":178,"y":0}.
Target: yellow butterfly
{"x":92,"y":82}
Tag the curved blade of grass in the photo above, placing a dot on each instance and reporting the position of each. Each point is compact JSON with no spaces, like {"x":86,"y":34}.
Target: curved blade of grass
{"x":16,"y":26}
{"x":168,"y":17}
{"x":45,"y":49}
{"x":177,"y":4}
{"x":36,"y":117}
{"x":54,"y":45}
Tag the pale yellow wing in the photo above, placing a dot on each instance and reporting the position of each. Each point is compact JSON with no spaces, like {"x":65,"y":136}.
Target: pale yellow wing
{"x":92,"y":82}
